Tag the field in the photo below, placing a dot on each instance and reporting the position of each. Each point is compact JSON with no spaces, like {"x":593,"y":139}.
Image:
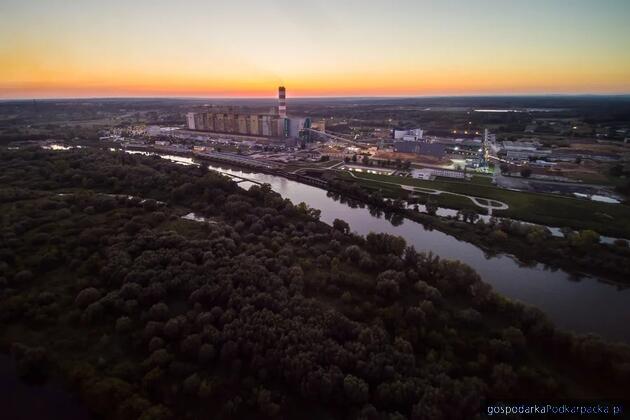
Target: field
{"x":552,"y":210}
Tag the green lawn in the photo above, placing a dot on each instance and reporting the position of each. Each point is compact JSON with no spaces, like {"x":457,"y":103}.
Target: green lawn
{"x":481,"y":180}
{"x":454,"y":202}
{"x":548,"y":209}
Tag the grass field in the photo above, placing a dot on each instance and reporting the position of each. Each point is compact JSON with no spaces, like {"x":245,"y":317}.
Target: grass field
{"x":547,"y":209}
{"x":443,"y":200}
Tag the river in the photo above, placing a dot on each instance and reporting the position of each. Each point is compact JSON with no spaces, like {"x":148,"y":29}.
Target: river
{"x":583,"y":305}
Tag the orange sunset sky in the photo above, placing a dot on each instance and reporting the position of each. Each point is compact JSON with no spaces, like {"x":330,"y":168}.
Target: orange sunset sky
{"x":55,"y":48}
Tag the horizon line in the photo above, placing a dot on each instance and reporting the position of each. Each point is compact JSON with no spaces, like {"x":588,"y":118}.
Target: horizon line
{"x":476,"y":95}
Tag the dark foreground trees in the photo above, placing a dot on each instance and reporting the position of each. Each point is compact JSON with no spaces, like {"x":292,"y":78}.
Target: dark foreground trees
{"x":259,"y":312}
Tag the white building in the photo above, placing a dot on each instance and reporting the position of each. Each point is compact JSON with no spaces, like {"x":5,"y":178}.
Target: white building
{"x":409,"y":135}
{"x":430,"y":174}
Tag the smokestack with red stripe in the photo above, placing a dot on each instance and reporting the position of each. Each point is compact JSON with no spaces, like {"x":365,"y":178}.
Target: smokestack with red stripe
{"x":282,"y":102}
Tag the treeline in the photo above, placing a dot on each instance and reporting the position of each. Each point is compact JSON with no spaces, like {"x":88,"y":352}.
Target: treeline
{"x":262,"y":311}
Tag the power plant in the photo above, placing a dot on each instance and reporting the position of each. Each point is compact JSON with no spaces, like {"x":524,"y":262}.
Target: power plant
{"x":272,"y":125}
{"x":282,"y":102}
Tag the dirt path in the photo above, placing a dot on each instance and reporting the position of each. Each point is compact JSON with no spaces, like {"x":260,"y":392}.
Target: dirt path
{"x":489,"y":205}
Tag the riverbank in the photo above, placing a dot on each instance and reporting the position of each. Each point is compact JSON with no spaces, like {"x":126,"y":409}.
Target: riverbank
{"x":560,"y":294}
{"x":528,"y":244}
{"x":544,"y":209}
{"x":579,"y":253}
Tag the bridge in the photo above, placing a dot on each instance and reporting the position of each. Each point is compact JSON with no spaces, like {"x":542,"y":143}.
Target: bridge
{"x":238,"y":179}
{"x":264,"y":167}
{"x":237,"y":160}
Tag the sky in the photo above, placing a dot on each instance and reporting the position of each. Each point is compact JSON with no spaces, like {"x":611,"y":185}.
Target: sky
{"x":246,"y":48}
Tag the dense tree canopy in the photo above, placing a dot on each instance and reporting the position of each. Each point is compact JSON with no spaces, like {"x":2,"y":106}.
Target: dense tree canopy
{"x":258,"y":311}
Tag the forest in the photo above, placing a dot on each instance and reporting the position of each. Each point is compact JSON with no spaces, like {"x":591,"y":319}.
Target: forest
{"x":257,"y":311}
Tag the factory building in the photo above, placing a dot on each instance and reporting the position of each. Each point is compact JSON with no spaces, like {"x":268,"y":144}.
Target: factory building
{"x":420,"y":148}
{"x":409,"y":135}
{"x":274,"y":125}
{"x":231,"y":123}
{"x":524,"y":150}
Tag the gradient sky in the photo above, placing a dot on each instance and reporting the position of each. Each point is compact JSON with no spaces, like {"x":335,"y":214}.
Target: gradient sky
{"x":89,"y":48}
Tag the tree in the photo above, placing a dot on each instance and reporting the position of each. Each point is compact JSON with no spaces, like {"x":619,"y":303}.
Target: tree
{"x":32,"y":362}
{"x":383,"y":243}
{"x":309,"y":211}
{"x":411,"y":257}
{"x":172,"y":328}
{"x":469,"y":215}
{"x":365,"y":160}
{"x":388,"y":284}
{"x":191,"y":384}
{"x":584,"y":239}
{"x":498,"y":235}
{"x":504,"y":168}
{"x":431,"y":207}
{"x":87,"y":296}
{"x":206,"y":353}
{"x":341,"y":225}
{"x":159,"y":312}
{"x":156,"y":343}
{"x":356,"y":389}
{"x":526,"y":172}
{"x":538,"y":234}
{"x":567,"y":232}
{"x":157,"y":412}
{"x":123,"y":324}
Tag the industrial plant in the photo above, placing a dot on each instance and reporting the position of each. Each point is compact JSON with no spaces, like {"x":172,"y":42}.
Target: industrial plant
{"x":275,"y":124}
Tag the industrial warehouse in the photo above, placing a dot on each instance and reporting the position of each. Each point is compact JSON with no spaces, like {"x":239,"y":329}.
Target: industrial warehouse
{"x":272,"y":125}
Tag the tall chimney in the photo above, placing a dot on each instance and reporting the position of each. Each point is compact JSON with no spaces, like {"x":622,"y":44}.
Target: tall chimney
{"x":282,"y":102}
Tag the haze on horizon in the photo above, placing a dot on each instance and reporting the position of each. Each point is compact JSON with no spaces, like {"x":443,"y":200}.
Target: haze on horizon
{"x":245,"y":48}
